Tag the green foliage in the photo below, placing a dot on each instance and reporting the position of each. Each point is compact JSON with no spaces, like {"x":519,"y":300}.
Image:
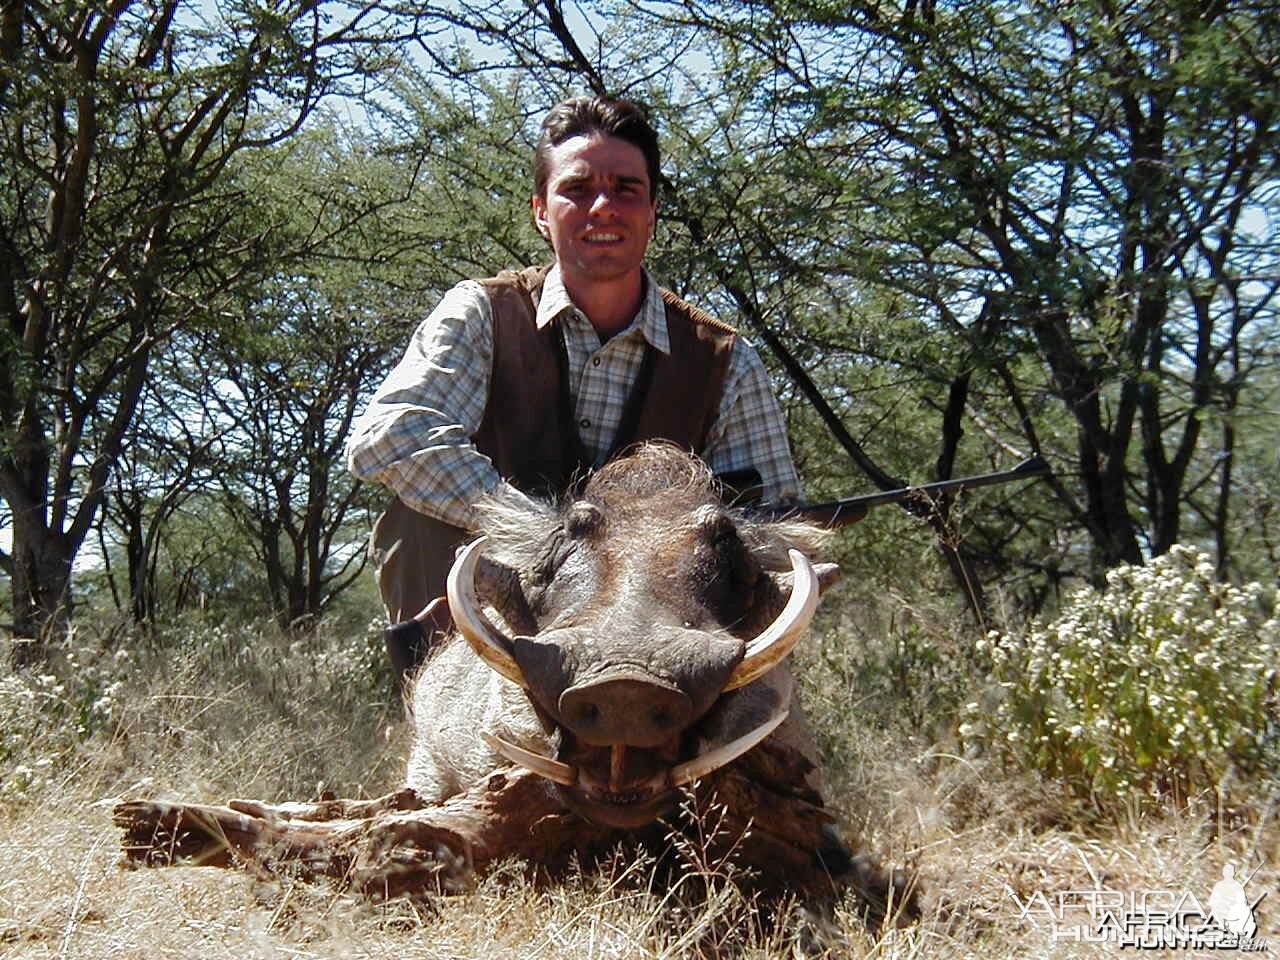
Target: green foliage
{"x":1008,"y":207}
{"x":201,"y":562}
{"x":121,"y":226}
{"x":1160,"y":685}
{"x":894,"y":676}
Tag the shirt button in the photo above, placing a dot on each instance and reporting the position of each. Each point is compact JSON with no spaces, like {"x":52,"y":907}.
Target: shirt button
{"x":584,"y":422}
{"x":595,"y":362}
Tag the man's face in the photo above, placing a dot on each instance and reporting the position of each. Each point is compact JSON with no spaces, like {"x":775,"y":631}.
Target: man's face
{"x":598,"y":210}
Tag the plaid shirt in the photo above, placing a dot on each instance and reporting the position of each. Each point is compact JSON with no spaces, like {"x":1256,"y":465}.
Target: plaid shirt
{"x":415,"y":435}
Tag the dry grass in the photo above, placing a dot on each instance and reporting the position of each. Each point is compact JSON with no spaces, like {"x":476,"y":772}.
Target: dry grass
{"x":201,"y":732}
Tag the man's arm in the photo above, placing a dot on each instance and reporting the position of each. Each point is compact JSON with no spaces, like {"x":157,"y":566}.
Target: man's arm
{"x":415,"y":437}
{"x":749,"y":432}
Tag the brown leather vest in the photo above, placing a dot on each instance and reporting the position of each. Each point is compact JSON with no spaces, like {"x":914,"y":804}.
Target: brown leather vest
{"x":528,"y":428}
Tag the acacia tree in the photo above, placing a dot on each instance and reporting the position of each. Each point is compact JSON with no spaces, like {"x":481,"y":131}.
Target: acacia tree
{"x":248,"y":409}
{"x":385,"y":227}
{"x":288,"y":394}
{"x":118,"y":122}
{"x":1063,"y":211}
{"x":168,"y":461}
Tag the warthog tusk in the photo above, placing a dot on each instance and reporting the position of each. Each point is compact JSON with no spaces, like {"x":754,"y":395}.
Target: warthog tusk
{"x":779,"y":638}
{"x":713,"y":760}
{"x":678,"y":776}
{"x":490,"y":644}
{"x":543,"y":766}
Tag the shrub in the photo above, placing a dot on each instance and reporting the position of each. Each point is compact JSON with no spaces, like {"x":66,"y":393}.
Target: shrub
{"x":244,"y":693}
{"x":1157,"y":686}
{"x":47,"y":719}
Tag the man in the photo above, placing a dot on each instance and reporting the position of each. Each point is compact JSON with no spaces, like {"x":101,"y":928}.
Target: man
{"x":527,"y":379}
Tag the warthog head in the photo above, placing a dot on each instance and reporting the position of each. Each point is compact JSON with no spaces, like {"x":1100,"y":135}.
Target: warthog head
{"x":633,"y":611}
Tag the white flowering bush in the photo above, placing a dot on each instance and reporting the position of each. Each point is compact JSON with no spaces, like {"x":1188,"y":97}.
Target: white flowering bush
{"x":1157,"y":685}
{"x":95,"y":702}
{"x":24,"y":701}
{"x":47,"y":717}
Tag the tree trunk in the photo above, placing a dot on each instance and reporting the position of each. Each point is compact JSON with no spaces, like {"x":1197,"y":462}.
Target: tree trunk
{"x":41,"y":586}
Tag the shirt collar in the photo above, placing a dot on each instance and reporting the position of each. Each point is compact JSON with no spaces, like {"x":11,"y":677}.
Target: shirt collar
{"x":651,"y":321}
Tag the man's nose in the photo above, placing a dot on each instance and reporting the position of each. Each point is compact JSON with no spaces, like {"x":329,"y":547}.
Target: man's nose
{"x":603,"y":202}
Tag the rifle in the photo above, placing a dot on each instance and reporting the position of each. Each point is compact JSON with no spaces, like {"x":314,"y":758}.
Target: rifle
{"x":838,"y":513}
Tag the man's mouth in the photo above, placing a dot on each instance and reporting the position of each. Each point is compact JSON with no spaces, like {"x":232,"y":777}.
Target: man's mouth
{"x":602,"y":237}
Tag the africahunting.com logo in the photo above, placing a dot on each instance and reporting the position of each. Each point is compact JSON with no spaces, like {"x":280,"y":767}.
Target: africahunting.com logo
{"x":1155,"y":919}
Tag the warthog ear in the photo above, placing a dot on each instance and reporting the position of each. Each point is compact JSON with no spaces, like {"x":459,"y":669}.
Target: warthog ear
{"x":583,"y":520}
{"x":499,"y":586}
{"x":771,"y":594}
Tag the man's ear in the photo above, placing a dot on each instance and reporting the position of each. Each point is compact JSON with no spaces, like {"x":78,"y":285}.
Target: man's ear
{"x":539,"y":207}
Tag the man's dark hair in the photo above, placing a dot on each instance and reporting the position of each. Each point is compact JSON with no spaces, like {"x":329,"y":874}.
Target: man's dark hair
{"x":584,"y":116}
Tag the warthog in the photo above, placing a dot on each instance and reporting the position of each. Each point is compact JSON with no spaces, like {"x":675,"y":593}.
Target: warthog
{"x":615,"y":649}
{"x":643,"y":628}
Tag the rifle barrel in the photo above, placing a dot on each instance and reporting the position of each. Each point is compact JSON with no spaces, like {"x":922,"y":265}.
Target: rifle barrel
{"x":851,"y":509}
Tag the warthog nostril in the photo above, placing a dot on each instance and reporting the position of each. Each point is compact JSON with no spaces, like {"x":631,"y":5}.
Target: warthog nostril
{"x":662,"y":719}
{"x":633,"y":710}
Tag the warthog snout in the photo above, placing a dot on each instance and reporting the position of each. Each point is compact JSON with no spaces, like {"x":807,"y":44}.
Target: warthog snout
{"x":633,"y":710}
